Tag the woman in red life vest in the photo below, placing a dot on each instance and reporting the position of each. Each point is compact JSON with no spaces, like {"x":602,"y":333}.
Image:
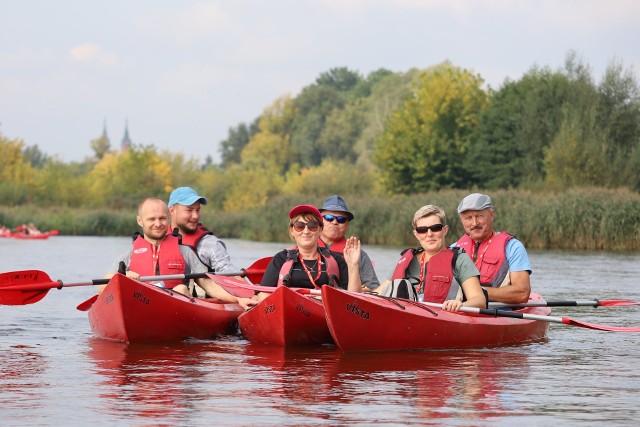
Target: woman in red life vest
{"x":438,"y":273}
{"x":307,"y":265}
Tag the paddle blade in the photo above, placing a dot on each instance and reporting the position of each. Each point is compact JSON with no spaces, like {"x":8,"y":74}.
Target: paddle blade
{"x":17,"y":287}
{"x":256,"y":270}
{"x":616,"y":303}
{"x":609,"y":328}
{"x":86,"y":305}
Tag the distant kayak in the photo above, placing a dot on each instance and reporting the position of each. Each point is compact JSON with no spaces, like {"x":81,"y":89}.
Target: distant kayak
{"x":38,"y":236}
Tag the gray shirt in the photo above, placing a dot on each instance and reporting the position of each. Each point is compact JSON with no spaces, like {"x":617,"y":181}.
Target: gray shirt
{"x":213,"y":252}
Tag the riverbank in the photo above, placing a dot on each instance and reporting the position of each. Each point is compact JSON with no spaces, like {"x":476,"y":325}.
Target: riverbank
{"x":584,"y":219}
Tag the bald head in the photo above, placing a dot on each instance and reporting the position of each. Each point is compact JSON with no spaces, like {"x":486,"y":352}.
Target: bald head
{"x":153,"y":218}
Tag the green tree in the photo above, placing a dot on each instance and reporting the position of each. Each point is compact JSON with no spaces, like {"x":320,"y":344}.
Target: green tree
{"x":16,"y":173}
{"x":423,"y":144}
{"x":237,"y":138}
{"x":125,"y":179}
{"x":101,"y":146}
{"x":35,"y":156}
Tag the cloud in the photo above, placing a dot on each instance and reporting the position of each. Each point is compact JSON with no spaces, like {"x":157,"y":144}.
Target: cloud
{"x":92,"y":53}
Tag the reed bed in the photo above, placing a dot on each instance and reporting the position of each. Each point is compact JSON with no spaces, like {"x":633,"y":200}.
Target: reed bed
{"x":580,"y":219}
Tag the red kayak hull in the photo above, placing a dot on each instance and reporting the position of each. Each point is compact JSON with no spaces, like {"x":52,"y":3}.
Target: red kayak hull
{"x":41,"y":236}
{"x":362,"y":322}
{"x":132,"y":311}
{"x":286,"y":318}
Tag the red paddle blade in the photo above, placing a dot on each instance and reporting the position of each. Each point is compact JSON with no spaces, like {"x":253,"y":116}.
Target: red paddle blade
{"x":86,"y":305}
{"x":16,"y":287}
{"x":257,"y":269}
{"x":573,"y":322}
{"x":616,"y":303}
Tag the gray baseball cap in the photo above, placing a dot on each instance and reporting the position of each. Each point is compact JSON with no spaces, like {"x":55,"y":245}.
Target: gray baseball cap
{"x":475,"y":202}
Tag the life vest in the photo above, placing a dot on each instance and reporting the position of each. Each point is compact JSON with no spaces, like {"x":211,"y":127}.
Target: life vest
{"x":170,"y":259}
{"x":490,"y":257}
{"x":193,"y":239}
{"x":336,"y":247}
{"x":333,"y":271}
{"x":439,"y":281}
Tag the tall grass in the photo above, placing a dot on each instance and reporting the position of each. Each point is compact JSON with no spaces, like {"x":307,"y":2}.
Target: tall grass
{"x":581,"y":219}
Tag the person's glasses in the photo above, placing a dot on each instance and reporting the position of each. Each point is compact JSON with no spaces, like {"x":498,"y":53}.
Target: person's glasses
{"x":311,"y":225}
{"x":424,"y":228}
{"x":341,"y":219}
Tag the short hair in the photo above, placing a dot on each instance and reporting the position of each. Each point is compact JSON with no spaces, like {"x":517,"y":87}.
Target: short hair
{"x":429,"y":210}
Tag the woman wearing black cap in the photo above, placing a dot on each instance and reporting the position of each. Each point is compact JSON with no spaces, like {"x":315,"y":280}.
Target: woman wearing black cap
{"x":307,"y":265}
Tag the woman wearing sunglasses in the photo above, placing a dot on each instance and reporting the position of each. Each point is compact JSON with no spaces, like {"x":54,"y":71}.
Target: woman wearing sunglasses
{"x":307,"y":265}
{"x":438,"y":274}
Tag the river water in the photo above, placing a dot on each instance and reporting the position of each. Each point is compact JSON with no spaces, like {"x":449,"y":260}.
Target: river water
{"x":53,"y":372}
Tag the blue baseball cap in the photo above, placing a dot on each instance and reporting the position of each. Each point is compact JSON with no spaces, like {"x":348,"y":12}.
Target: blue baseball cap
{"x":185,"y":196}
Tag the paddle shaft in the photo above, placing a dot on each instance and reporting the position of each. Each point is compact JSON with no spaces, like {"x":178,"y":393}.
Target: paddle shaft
{"x":59,"y":284}
{"x":576,"y":303}
{"x":238,"y":284}
{"x":553,"y":319}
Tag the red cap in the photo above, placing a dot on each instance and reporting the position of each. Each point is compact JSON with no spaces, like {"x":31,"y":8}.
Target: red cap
{"x":305,"y":208}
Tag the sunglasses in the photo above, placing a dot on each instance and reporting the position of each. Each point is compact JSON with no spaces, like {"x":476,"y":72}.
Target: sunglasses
{"x":341,"y":219}
{"x":311,"y":225}
{"x":424,"y":228}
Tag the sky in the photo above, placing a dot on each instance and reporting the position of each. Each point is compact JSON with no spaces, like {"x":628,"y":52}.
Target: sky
{"x":182,"y":72}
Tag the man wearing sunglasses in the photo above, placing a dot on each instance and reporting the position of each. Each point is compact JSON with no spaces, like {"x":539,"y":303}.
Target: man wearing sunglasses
{"x":501,"y":258}
{"x":336,"y":224}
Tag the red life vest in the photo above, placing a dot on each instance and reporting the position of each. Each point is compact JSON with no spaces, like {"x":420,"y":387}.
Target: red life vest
{"x":193,"y":239}
{"x":439,"y":283}
{"x":170,"y":259}
{"x":333,"y":270}
{"x":490,"y":257}
{"x":336,"y":247}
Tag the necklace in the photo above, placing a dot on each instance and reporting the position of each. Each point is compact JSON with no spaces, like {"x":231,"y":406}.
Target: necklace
{"x":306,"y":269}
{"x":423,"y":269}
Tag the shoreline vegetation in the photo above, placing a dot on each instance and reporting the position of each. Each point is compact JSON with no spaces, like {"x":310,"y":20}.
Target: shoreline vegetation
{"x":578,"y":219}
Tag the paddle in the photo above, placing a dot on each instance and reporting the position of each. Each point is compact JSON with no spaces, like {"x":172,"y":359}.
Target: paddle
{"x":588,"y":303}
{"x":231,"y":283}
{"x":553,"y":319}
{"x":30,"y":286}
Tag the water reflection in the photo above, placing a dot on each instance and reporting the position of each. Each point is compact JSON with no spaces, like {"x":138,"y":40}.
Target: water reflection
{"x":23,"y":368}
{"x":389,"y":386}
{"x":150,"y":381}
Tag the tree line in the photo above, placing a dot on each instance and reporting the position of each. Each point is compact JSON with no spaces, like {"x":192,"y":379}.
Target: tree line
{"x":386,"y":133}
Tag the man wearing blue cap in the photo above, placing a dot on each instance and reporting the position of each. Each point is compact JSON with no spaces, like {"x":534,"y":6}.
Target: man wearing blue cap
{"x":184,"y":208}
{"x":501,"y":258}
{"x":336,"y":224}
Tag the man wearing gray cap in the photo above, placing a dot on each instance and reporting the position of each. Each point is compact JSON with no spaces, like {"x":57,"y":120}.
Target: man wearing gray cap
{"x":501,"y":258}
{"x":336,"y":224}
{"x":184,"y":208}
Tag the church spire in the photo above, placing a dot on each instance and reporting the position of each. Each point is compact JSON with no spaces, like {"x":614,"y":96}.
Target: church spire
{"x":104,"y":130}
{"x":126,"y":141}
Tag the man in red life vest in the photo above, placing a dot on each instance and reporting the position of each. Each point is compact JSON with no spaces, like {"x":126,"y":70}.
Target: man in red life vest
{"x":184,"y":208}
{"x":156,"y":252}
{"x":501,"y":258}
{"x":336,"y":224}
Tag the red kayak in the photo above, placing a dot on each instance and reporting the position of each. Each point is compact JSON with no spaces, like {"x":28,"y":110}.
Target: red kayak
{"x":364,"y":322}
{"x":286,"y":318}
{"x":38,"y":236}
{"x":132,"y":311}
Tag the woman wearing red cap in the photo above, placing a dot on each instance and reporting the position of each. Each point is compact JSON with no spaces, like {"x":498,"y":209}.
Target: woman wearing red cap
{"x":307,"y":265}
